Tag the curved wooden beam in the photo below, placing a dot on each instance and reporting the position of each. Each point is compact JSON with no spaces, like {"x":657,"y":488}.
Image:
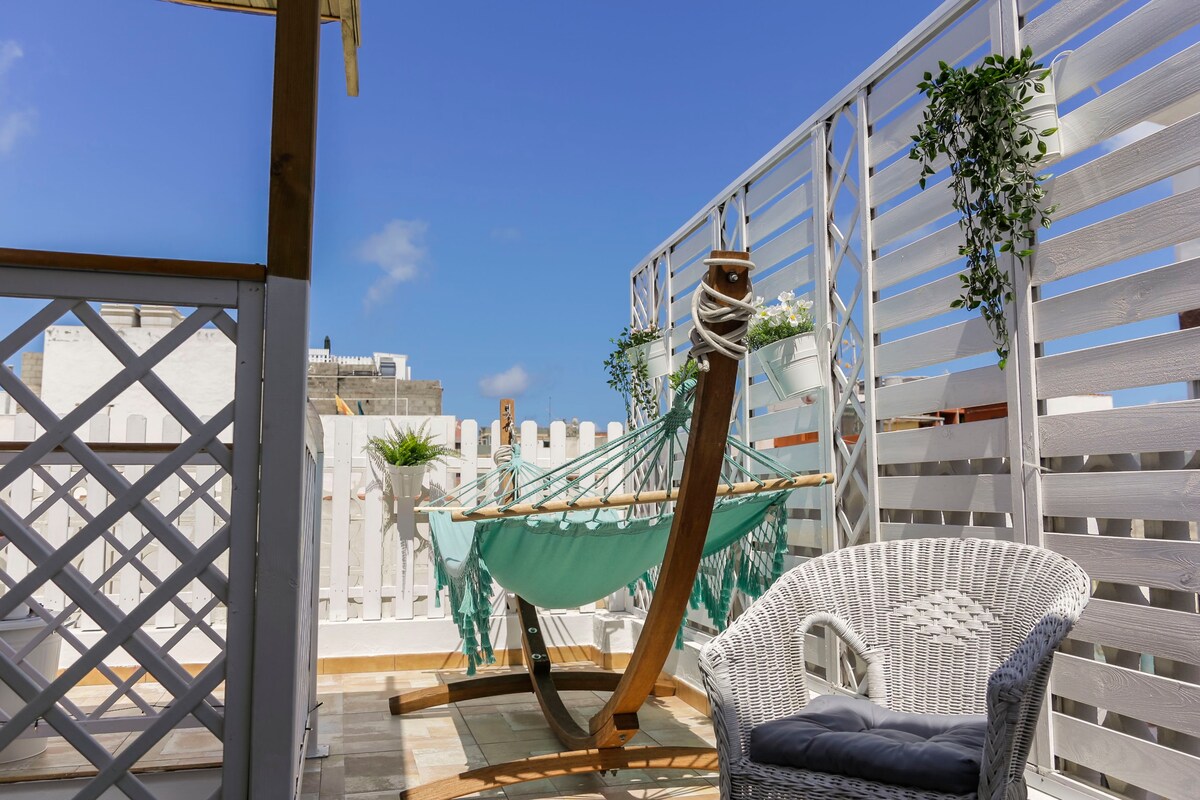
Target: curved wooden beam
{"x":590,"y":680}
{"x":702,"y":463}
{"x":542,"y":678}
{"x":577,"y":762}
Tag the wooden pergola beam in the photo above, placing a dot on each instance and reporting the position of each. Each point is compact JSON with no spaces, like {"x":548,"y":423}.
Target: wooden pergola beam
{"x":347,"y":12}
{"x":293,"y":141}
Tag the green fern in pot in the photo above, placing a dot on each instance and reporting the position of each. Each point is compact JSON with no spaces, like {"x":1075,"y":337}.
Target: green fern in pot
{"x":405,"y":455}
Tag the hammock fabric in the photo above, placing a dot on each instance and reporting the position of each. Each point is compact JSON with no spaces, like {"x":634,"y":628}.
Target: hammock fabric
{"x":568,"y":560}
{"x":564,"y":560}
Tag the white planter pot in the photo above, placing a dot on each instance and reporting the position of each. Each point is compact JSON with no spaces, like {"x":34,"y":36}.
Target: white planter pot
{"x":656,"y":355}
{"x":17,"y":633}
{"x":1043,"y":114}
{"x":792,"y":366}
{"x":407,"y":481}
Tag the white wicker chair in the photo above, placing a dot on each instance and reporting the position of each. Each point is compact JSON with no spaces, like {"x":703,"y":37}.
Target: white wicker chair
{"x":948,"y":626}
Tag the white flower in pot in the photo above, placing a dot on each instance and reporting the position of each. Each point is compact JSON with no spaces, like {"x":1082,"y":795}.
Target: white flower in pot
{"x":405,"y":456}
{"x":783,"y":342}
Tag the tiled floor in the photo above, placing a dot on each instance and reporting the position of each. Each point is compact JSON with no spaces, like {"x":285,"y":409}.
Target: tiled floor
{"x":373,"y":754}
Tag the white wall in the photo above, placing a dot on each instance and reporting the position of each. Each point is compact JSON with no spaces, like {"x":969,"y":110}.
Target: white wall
{"x":76,"y":364}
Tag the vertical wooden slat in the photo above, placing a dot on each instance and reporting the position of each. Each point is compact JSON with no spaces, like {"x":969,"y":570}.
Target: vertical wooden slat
{"x":339,"y":535}
{"x":823,"y":316}
{"x":276,"y":744}
{"x":245,"y":521}
{"x":1023,"y":406}
{"x":558,"y":443}
{"x":469,"y":447}
{"x":869,"y":296}
{"x":372,"y":574}
{"x":531,"y":450}
{"x":616,"y":478}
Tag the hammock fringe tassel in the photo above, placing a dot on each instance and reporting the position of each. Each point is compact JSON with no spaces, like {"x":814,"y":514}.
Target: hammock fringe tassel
{"x":749,"y":564}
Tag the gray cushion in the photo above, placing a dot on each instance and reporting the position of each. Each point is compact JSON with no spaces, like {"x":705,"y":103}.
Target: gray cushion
{"x":854,"y":737}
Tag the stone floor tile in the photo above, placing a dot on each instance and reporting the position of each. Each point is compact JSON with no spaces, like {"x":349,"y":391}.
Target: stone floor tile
{"x":333,"y":777}
{"x":499,"y":752}
{"x":376,"y":772}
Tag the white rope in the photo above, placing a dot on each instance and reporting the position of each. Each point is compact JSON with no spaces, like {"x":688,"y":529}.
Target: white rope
{"x":504,"y":454}
{"x":710,"y":307}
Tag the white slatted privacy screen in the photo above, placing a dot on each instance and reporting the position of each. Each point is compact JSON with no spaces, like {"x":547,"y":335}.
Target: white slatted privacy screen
{"x":834,"y":212}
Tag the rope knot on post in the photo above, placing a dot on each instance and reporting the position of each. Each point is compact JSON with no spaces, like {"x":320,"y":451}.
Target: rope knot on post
{"x":710,"y":307}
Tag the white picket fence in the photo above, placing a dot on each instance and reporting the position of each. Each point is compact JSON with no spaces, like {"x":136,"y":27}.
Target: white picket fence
{"x":369,"y":571}
{"x":362,"y":561}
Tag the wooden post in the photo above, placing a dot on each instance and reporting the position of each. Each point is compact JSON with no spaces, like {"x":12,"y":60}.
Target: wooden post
{"x":508,"y":418}
{"x":293,"y":140}
{"x":281,"y":608}
{"x":616,"y":723}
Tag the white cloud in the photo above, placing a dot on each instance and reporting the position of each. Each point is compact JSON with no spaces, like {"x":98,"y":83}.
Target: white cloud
{"x":17,"y":123}
{"x":10,"y":52}
{"x":512,"y":381}
{"x":14,"y":125}
{"x":399,"y":250}
{"x":1131,"y":135}
{"x":506,"y":233}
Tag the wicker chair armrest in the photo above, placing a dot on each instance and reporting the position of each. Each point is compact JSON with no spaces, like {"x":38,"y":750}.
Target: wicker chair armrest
{"x":1015,"y":693}
{"x":753,"y":672}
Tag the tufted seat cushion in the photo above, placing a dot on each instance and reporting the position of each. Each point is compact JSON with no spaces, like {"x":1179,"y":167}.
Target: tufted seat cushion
{"x":854,"y":737}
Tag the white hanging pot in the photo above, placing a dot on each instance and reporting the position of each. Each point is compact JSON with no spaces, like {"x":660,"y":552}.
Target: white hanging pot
{"x":656,"y":355}
{"x":407,"y":481}
{"x":17,"y":633}
{"x":1043,"y":114}
{"x":792,"y":366}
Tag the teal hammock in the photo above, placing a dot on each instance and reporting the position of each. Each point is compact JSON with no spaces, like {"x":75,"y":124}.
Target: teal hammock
{"x":566,"y":560}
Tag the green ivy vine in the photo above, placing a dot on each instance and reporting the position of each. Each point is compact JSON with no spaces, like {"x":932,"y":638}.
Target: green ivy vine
{"x":977,"y":118}
{"x":629,"y":373}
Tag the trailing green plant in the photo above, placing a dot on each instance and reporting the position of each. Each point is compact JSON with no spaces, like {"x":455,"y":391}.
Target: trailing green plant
{"x":781,"y":320}
{"x":977,"y":117}
{"x":407,"y":448}
{"x":688,"y":369}
{"x":629,"y":371}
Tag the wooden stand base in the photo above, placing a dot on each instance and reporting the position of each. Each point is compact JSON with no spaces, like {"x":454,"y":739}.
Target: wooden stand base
{"x":513,"y":683}
{"x":575,"y":762}
{"x":600,"y":745}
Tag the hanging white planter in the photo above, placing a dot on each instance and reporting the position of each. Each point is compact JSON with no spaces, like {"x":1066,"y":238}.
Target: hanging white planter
{"x":1043,"y":114}
{"x":792,"y":366}
{"x":407,"y":481}
{"x":656,"y":355}
{"x":17,"y":634}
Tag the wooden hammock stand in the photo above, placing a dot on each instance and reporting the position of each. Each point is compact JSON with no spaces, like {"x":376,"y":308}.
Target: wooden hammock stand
{"x":600,"y":745}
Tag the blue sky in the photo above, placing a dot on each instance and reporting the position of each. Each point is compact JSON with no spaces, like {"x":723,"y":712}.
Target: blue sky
{"x":480,"y":205}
